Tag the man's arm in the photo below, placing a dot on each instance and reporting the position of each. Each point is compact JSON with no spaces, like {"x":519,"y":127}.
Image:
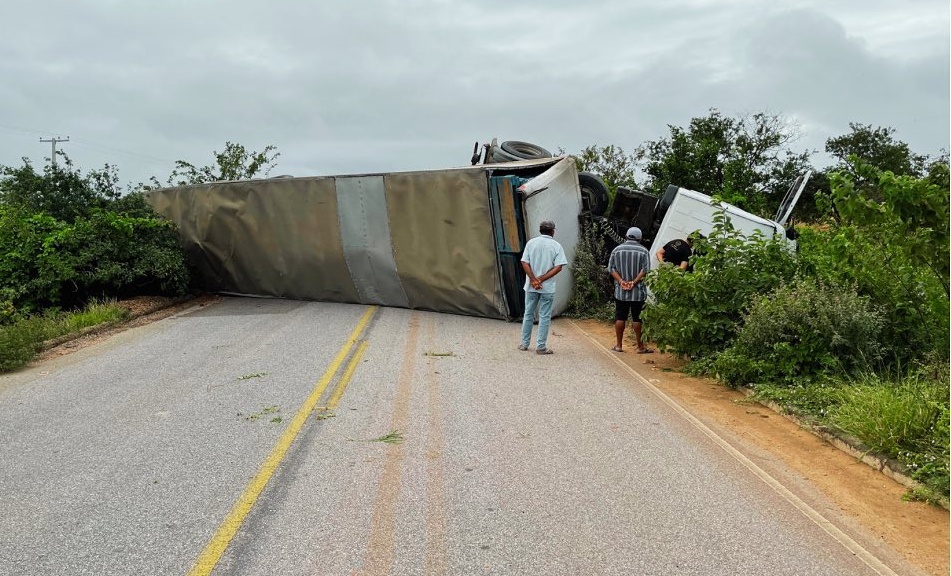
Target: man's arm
{"x":615,"y":273}
{"x":550,"y":273}
{"x":660,"y":255}
{"x":535,"y":282}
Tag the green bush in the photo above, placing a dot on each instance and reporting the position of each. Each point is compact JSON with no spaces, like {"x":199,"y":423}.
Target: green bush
{"x":113,"y":255}
{"x":799,"y":332}
{"x":888,"y":236}
{"x":917,"y":319}
{"x":60,"y":192}
{"x":591,"y":285}
{"x":66,"y":239}
{"x":698,"y":314}
{"x":49,"y":263}
{"x":26,"y":284}
{"x":20,"y":341}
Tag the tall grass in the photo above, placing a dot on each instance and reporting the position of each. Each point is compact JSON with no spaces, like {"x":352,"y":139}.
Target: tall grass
{"x":23,"y":339}
{"x":906,"y":419}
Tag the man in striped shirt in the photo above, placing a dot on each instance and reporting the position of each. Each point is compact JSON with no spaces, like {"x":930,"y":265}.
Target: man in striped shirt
{"x":628,"y":265}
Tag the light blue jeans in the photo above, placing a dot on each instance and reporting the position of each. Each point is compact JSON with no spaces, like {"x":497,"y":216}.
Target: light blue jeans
{"x":543,"y":302}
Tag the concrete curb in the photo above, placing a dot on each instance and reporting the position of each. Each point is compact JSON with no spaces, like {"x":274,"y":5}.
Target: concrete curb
{"x":851,"y":446}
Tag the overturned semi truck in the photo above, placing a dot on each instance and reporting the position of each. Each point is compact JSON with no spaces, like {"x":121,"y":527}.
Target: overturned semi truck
{"x":443,"y":240}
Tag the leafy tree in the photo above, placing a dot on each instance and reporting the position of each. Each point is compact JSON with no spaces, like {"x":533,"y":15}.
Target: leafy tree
{"x":876,"y":147}
{"x":61,"y":191}
{"x":614,"y":166}
{"x":890,"y":241}
{"x":745,"y":161}
{"x":913,"y":213}
{"x":235,"y":163}
{"x":937,"y":171}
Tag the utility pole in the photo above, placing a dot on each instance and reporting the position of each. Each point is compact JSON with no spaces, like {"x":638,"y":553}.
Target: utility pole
{"x":54,"y":141}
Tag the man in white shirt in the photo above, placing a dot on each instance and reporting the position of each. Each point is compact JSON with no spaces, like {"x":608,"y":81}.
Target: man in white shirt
{"x":542,"y":259}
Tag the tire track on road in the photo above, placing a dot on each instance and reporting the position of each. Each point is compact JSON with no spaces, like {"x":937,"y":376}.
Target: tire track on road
{"x":437,"y":552}
{"x":382,"y":541}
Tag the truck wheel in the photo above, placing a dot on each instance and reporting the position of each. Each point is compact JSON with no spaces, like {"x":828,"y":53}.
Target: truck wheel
{"x":664,"y":204}
{"x":524,"y":150}
{"x":594,"y":193}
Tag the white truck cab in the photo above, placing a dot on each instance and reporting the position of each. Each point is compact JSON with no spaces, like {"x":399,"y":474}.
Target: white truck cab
{"x":691,"y":211}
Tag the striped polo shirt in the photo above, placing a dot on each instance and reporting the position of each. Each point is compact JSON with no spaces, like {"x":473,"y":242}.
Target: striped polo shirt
{"x":629,"y":259}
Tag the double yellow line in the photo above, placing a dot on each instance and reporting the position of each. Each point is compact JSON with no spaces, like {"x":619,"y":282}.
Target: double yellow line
{"x":213,"y":551}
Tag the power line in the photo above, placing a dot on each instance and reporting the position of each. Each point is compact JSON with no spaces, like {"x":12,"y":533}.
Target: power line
{"x":86,"y":143}
{"x":17,"y":130}
{"x":95,"y":146}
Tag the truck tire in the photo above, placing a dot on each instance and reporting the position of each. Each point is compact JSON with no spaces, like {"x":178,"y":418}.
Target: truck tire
{"x":594,"y":193}
{"x":500,"y":155}
{"x":664,"y":204}
{"x":524,"y":150}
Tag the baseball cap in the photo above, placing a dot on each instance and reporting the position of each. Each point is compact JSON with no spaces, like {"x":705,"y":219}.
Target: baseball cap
{"x":634,"y":233}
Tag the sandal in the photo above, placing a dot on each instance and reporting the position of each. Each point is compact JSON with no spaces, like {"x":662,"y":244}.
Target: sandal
{"x":617,"y":349}
{"x":645,"y":350}
{"x":544,"y":351}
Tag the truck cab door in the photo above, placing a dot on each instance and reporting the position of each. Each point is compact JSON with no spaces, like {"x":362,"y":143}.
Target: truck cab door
{"x":792,"y":196}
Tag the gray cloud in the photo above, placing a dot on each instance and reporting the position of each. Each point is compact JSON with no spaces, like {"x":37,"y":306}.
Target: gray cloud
{"x":384,"y":86}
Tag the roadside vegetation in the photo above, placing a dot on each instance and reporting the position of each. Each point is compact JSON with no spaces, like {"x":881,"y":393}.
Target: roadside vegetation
{"x":22,"y":339}
{"x":71,"y":244}
{"x":850,"y":332}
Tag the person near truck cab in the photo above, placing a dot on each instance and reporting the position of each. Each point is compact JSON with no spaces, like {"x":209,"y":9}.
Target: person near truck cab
{"x":676,"y":252}
{"x":679,"y":252}
{"x":542,"y":259}
{"x":628,"y":265}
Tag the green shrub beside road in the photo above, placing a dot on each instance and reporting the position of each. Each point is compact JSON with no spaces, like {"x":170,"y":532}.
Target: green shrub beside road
{"x":68,"y":242}
{"x":698,"y":314}
{"x":866,"y":294}
{"x":797,"y":333}
{"x":22,"y":339}
{"x":66,"y":239}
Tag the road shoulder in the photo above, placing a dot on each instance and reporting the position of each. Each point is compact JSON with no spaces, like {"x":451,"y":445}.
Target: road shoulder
{"x":863,"y":495}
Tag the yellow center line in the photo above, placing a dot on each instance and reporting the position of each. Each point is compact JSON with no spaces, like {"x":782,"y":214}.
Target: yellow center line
{"x":213,"y":551}
{"x":348,"y":373}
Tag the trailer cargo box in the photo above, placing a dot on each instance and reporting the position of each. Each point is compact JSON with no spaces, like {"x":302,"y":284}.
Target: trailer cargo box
{"x":443,"y":240}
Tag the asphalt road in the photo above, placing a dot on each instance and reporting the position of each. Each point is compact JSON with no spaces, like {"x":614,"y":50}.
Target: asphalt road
{"x":247,"y":438}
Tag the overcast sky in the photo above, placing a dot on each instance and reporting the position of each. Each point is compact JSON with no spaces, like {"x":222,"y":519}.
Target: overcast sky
{"x":343,"y":87}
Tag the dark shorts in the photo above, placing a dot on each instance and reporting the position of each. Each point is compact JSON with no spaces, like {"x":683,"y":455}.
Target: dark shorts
{"x":623,"y":308}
